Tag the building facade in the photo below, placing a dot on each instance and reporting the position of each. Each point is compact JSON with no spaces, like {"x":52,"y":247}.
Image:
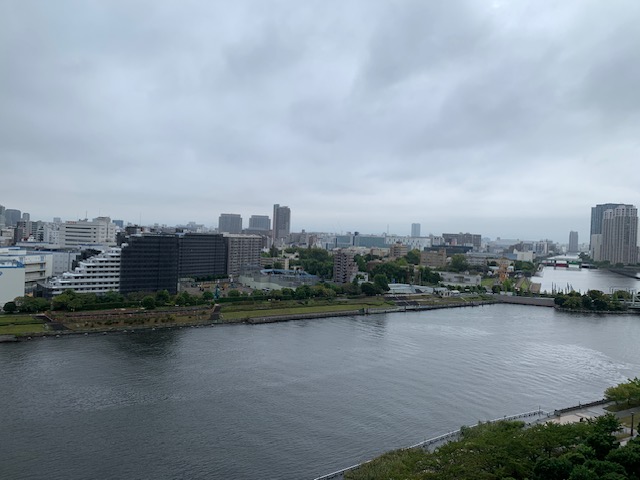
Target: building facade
{"x":281,"y":223}
{"x":243,"y":251}
{"x":436,"y":258}
{"x":202,"y":255}
{"x":345,"y":267}
{"x":573,"y":242}
{"x":149,"y":263}
{"x":260,"y":222}
{"x":98,"y":274}
{"x":38,"y":266}
{"x":620,"y":235}
{"x":230,"y":223}
{"x":597,"y":214}
{"x":464,"y":239}
{"x":415,"y":229}
{"x":99,"y":231}
{"x":12,"y":281}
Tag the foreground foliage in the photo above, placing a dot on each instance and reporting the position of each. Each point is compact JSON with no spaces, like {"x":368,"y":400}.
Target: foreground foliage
{"x":508,"y":450}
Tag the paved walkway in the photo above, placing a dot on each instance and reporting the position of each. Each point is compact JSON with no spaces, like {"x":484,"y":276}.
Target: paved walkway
{"x":578,"y":415}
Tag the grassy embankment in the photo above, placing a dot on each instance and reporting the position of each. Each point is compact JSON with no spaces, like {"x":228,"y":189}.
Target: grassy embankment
{"x":101,"y":320}
{"x":232,"y":312}
{"x":20,"y":325}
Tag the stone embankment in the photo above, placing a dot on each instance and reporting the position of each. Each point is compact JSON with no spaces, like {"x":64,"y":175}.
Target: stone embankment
{"x":362,"y":311}
{"x":535,"y":301}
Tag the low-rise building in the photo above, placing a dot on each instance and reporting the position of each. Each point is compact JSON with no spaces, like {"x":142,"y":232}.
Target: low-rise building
{"x":12,"y":281}
{"x":276,"y":279}
{"x":97,"y":274}
{"x":463,"y":279}
{"x":434,"y":258}
{"x":38,"y":266}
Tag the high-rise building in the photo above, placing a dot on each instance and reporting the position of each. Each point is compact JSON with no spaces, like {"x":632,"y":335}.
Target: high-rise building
{"x":2,"y":210}
{"x":230,"y":223}
{"x":281,"y":223}
{"x":202,"y":255}
{"x":259,"y":222}
{"x":573,"y":242}
{"x":597,"y":214}
{"x":415,"y":229}
{"x":149,"y":263}
{"x":12,"y":216}
{"x":620,"y":235}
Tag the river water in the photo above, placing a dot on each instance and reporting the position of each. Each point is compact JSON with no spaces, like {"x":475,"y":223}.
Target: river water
{"x":562,"y":279}
{"x":291,"y":400}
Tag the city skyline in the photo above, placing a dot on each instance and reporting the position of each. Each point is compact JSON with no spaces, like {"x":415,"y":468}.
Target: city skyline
{"x":510,"y":120}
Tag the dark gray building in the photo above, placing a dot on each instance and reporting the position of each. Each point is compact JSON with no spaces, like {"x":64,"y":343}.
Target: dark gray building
{"x":154,"y":262}
{"x":202,"y":255}
{"x":597,"y":214}
{"x":259,"y":222}
{"x":149,"y":263}
{"x":230,"y":223}
{"x":281,"y":223}
{"x":12,"y":217}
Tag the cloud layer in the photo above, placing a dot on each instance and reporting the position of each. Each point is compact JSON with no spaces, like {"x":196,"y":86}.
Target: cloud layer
{"x":508,"y":119}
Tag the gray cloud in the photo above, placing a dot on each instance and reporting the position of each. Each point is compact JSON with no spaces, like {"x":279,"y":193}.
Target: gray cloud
{"x":507,"y":119}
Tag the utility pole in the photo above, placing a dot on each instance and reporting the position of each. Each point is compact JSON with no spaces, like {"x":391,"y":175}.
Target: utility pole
{"x":632,"y":425}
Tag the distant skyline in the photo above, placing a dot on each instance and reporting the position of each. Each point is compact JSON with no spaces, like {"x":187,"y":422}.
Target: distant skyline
{"x":506,"y":119}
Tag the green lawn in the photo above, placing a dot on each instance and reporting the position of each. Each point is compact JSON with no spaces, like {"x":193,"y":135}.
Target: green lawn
{"x":18,"y":319}
{"x":299,"y":309}
{"x":22,"y":329}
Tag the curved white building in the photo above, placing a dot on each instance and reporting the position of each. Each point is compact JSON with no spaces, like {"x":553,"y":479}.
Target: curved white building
{"x":98,"y":274}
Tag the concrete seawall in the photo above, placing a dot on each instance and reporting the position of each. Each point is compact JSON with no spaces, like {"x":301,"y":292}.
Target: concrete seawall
{"x":534,"y":301}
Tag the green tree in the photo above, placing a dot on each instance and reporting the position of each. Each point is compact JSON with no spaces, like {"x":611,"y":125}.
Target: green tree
{"x":369,"y":289}
{"x":208,"y":296}
{"x":413,"y":257}
{"x":381,"y":282}
{"x":148,"y":302}
{"x":10,"y":307}
{"x":233,"y":293}
{"x":302,"y":292}
{"x":552,"y":469}
{"x":163,"y":297}
{"x":459,"y":263}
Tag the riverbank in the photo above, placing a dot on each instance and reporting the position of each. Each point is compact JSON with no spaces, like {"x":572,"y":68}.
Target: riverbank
{"x":127,"y":320}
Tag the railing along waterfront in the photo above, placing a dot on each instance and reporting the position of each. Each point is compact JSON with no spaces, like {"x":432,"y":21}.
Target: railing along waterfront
{"x":447,"y":437}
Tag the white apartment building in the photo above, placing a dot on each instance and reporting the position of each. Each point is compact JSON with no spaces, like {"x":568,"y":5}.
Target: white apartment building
{"x":38,"y":266}
{"x":11,"y":281}
{"x":99,"y":231}
{"x":98,"y":274}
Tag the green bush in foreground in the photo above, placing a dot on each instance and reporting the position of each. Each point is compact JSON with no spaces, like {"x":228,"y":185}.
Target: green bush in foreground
{"x":508,"y":450}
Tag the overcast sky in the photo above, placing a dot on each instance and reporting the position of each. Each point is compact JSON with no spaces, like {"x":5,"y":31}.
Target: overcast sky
{"x":508,"y":119}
